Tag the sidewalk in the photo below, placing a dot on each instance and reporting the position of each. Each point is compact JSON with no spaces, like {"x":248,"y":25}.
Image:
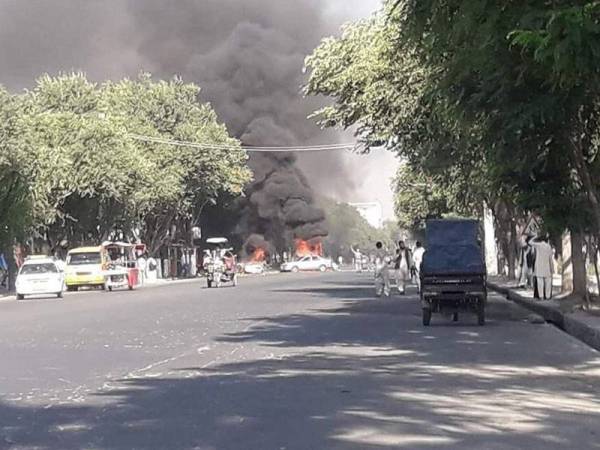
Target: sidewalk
{"x":579,"y":324}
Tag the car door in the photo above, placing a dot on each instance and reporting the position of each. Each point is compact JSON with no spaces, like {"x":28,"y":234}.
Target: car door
{"x":315,"y":263}
{"x":304,"y":263}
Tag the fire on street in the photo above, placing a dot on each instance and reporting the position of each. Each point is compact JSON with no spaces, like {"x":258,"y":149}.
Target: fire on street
{"x":305,"y":361}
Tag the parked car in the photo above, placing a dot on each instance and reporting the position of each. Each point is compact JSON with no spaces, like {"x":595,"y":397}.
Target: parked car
{"x":312,"y":262}
{"x":86,"y":267}
{"x":254,"y":268}
{"x":39,"y":275}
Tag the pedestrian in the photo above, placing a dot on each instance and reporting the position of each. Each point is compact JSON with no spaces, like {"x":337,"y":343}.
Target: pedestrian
{"x":358,"y":259}
{"x":403,"y":265}
{"x":543,"y":267}
{"x":142,"y":265}
{"x":527,"y":261}
{"x":417,"y":260}
{"x":3,"y":270}
{"x":382,"y":273}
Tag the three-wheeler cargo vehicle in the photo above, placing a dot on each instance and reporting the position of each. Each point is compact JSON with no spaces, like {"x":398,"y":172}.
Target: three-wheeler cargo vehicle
{"x":453,"y":272}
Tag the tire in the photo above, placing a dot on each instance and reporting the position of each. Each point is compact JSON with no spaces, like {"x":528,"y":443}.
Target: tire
{"x":455,"y":317}
{"x":59,"y":294}
{"x":295,"y":269}
{"x":481,"y":313}
{"x":20,"y":297}
{"x":323,"y":269}
{"x":71,"y":288}
{"x":426,"y":317}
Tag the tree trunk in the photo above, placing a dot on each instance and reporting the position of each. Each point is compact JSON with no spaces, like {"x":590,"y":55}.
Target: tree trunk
{"x":586,"y":179}
{"x":578,"y":259}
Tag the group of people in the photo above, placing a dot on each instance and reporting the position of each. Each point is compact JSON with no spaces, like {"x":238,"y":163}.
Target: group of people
{"x":537,"y":266}
{"x":403,"y":266}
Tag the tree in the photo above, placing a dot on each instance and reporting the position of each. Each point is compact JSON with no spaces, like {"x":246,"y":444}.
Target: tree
{"x":185,"y":178}
{"x":347,"y":228}
{"x":412,"y":79}
{"x":90,"y":175}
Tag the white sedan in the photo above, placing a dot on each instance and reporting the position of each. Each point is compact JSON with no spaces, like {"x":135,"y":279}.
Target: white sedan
{"x":39,"y":276}
{"x":308,"y":263}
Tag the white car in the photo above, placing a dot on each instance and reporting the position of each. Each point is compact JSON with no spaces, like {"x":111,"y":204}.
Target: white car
{"x":313,"y":262}
{"x":40,"y":275}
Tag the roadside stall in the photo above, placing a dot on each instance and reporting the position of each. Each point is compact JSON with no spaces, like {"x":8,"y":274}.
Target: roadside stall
{"x":122,"y":270}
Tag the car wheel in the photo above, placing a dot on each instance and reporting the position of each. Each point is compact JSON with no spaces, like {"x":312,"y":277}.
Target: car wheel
{"x":59,"y":294}
{"x":323,"y":269}
{"x":20,"y":296}
{"x":295,"y":269}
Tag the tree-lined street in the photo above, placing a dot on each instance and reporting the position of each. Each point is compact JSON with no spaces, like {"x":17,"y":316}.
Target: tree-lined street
{"x":290,"y":361}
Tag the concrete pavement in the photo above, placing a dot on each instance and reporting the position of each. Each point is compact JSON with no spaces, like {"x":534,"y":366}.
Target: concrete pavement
{"x":307,"y":361}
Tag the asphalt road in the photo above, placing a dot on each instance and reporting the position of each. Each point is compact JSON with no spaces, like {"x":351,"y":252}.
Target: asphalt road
{"x":299,"y":361}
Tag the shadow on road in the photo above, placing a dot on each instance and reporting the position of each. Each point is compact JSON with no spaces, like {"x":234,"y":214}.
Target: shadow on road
{"x":360,"y":375}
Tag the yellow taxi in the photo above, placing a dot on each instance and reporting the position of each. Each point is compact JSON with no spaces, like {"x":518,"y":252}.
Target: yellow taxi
{"x":86,"y":267}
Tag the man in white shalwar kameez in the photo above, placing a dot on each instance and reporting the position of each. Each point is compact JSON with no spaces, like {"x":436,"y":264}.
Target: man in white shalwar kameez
{"x":543,"y":267}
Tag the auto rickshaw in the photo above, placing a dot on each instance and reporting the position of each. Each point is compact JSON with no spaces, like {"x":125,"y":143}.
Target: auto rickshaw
{"x":220,"y":267}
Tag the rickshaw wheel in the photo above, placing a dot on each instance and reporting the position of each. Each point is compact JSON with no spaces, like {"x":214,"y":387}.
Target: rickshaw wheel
{"x":426,"y":316}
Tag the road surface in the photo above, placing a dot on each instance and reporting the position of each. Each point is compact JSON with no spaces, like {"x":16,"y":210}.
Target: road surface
{"x":298,"y":361}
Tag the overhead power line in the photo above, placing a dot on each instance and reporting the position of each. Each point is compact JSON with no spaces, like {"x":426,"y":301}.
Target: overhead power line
{"x":302,"y":148}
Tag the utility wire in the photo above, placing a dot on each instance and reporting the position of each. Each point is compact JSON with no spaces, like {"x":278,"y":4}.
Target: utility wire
{"x":304,"y":148}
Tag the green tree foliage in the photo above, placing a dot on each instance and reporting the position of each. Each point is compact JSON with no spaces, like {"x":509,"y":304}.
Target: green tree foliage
{"x":15,"y":206}
{"x":347,"y":228}
{"x":75,"y":147}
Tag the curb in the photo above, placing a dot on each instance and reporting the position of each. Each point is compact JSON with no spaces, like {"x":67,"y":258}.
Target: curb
{"x":566,"y":322}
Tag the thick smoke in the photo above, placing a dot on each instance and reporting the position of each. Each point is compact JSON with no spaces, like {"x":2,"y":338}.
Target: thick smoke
{"x":247,"y":55}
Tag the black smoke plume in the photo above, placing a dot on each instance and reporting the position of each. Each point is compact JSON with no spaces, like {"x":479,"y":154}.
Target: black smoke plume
{"x":247,"y":55}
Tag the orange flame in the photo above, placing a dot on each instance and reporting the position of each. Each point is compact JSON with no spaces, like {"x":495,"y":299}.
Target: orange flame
{"x":259,"y":255}
{"x":305,"y":248}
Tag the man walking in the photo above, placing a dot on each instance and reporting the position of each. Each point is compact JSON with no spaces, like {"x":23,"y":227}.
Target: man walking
{"x":403,"y":265}
{"x":543,"y":267}
{"x":382,"y":273}
{"x":417,"y":260}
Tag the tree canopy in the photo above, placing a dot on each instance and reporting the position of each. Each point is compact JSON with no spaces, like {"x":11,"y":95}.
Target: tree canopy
{"x":83,"y":175}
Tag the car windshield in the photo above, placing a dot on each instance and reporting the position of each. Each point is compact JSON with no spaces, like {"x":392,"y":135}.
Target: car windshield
{"x":38,"y":268}
{"x":77,"y":259}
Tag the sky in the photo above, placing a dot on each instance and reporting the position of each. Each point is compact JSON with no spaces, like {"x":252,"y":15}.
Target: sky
{"x":246,"y":55}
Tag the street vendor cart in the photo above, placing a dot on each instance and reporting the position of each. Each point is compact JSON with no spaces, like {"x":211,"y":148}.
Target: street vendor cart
{"x":122,"y":271}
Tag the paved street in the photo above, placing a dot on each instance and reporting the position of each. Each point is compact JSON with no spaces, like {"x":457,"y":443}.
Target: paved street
{"x":305,"y":361}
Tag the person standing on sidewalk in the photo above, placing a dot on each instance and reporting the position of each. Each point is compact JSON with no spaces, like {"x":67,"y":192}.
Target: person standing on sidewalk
{"x":544,"y":267}
{"x":527,"y":263}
